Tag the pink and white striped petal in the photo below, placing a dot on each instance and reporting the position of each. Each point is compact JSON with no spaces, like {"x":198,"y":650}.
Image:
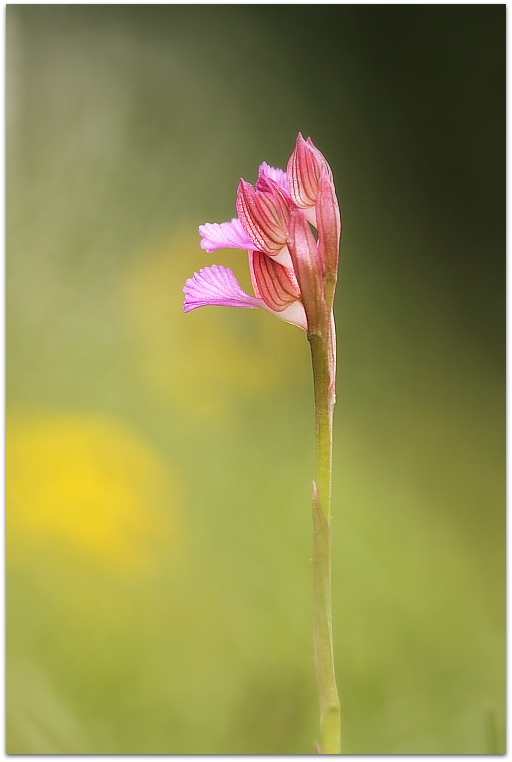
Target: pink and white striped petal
{"x":264,"y":214}
{"x":304,"y":170}
{"x":217,"y":286}
{"x":224,"y":235}
{"x":274,"y":283}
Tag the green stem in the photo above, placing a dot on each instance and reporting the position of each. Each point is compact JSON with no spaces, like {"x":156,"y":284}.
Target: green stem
{"x":322,"y":355}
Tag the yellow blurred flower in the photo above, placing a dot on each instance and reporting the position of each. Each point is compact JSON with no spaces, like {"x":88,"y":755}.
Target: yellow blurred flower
{"x":86,"y":485}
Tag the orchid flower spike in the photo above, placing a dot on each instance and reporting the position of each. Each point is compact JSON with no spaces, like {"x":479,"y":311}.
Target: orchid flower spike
{"x":293,"y":274}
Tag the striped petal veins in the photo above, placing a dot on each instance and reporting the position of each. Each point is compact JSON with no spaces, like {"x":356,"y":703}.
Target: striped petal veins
{"x":274,"y":283}
{"x":264,"y":214}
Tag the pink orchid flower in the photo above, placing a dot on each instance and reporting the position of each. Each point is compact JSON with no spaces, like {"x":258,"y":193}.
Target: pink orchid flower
{"x":289,"y":268}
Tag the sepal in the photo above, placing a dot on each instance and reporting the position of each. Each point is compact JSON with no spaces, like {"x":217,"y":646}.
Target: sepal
{"x":274,"y":283}
{"x":304,"y":170}
{"x":264,"y":214}
{"x":308,"y":268}
{"x":329,"y":226}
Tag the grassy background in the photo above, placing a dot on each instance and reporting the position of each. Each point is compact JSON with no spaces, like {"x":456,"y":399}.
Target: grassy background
{"x":159,"y":465}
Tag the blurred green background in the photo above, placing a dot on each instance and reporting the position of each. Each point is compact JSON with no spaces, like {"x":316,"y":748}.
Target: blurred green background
{"x":159,"y":465}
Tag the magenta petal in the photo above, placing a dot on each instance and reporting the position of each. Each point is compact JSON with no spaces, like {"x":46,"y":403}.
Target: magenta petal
{"x":224,"y":235}
{"x":217,"y":286}
{"x":279,"y":176}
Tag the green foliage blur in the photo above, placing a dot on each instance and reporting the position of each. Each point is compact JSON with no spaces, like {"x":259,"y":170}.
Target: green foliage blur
{"x":159,"y":465}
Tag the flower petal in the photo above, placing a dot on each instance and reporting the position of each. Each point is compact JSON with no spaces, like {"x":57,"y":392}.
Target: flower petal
{"x":279,"y":176}
{"x":274,"y":283}
{"x":217,"y":286}
{"x":264,"y":214}
{"x":224,"y":235}
{"x":304,"y":170}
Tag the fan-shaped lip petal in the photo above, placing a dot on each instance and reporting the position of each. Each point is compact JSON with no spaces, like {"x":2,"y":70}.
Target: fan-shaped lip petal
{"x":224,"y":235}
{"x":217,"y":286}
{"x":279,"y":176}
